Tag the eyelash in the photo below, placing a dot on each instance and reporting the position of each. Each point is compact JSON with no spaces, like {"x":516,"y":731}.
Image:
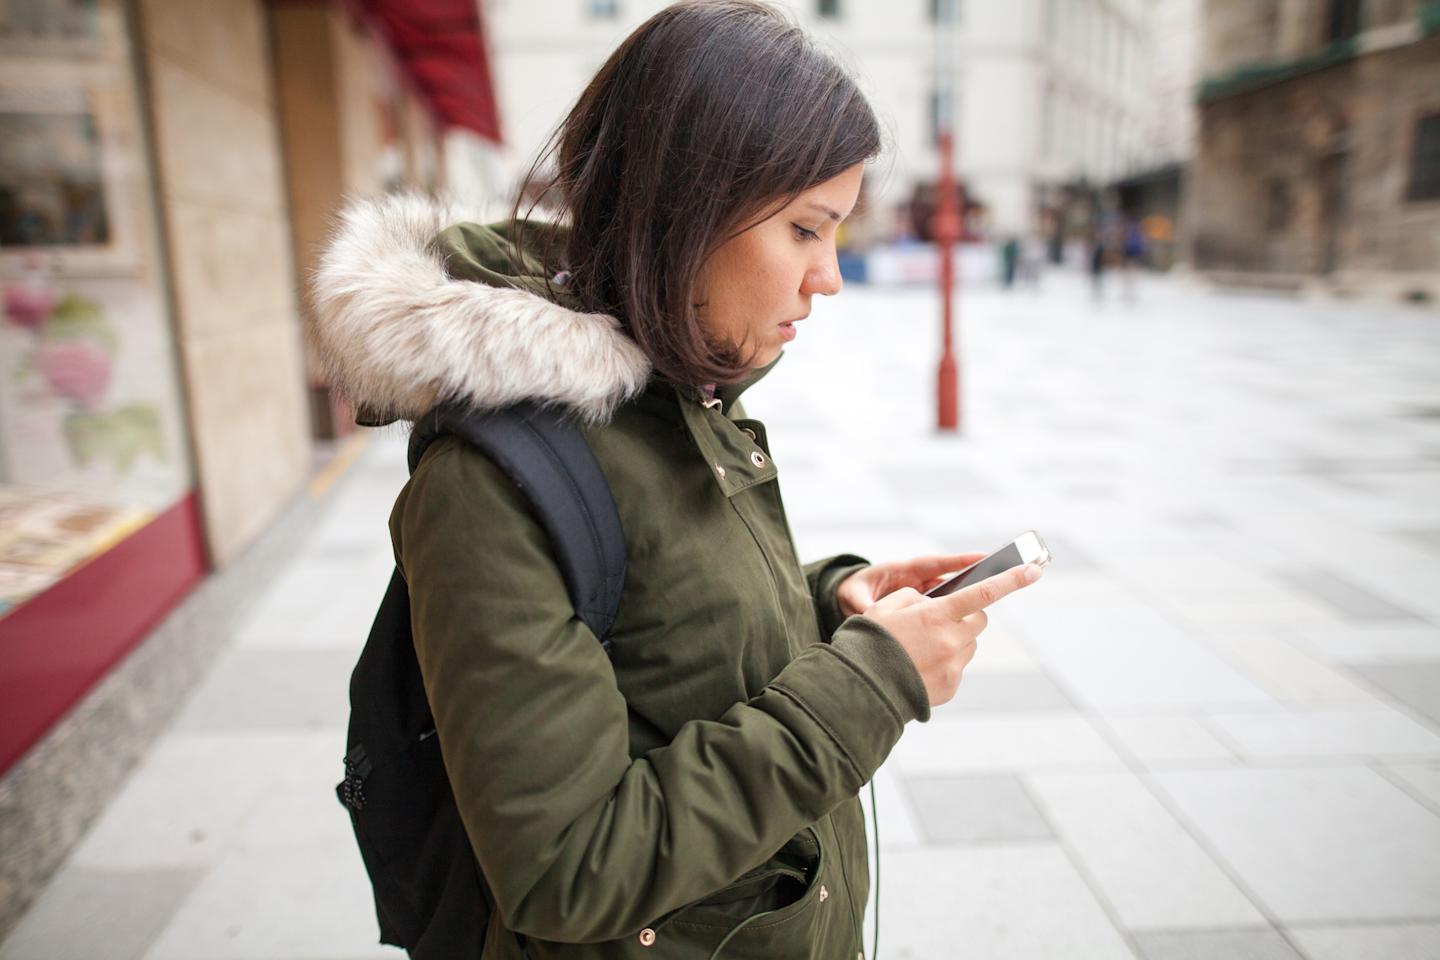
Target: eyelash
{"x":802,"y":234}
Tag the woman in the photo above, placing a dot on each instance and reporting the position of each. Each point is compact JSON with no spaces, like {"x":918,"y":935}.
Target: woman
{"x":695,"y":792}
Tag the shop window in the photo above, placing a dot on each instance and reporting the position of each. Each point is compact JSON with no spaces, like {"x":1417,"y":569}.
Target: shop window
{"x":92,"y":442}
{"x":1425,"y":162}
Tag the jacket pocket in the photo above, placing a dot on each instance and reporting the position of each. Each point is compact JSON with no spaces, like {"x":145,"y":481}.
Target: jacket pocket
{"x":785,"y":889}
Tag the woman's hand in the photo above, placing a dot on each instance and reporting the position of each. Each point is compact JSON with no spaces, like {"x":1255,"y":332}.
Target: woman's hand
{"x":859,"y":591}
{"x":939,"y":633}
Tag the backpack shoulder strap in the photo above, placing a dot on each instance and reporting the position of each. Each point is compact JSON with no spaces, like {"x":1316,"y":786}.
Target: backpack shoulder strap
{"x":547,"y":457}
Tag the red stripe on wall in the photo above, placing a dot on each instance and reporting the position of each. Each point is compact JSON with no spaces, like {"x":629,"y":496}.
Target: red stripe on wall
{"x":58,"y":644}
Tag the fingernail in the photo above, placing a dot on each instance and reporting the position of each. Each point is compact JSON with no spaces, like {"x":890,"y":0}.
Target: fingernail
{"x":1032,"y":572}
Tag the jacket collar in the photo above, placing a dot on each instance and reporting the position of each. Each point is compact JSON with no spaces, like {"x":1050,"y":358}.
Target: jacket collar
{"x":728,"y":393}
{"x":395,"y":331}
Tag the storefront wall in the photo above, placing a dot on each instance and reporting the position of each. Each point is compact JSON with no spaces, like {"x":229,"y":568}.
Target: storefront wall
{"x":352,"y":126}
{"x":236,"y":311}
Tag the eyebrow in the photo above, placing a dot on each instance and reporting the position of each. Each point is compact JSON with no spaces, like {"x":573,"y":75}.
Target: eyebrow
{"x":825,"y":210}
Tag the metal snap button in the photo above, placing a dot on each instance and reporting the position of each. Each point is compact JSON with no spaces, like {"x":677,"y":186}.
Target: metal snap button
{"x":647,"y":937}
{"x":720,"y":470}
{"x":751,"y":434}
{"x":757,"y":458}
{"x":824,"y":894}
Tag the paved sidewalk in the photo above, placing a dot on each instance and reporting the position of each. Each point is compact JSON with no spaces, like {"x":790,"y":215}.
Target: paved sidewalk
{"x":1212,"y":730}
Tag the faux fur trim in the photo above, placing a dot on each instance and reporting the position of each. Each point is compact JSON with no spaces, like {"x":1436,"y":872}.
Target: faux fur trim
{"x":394,"y":333}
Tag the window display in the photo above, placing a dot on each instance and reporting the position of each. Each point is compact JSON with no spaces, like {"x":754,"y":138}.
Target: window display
{"x":92,"y":441}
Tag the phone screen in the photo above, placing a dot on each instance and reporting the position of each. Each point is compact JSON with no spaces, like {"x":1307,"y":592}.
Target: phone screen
{"x":998,"y":562}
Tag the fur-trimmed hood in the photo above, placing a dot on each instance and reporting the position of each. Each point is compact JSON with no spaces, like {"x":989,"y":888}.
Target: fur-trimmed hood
{"x":414,"y":305}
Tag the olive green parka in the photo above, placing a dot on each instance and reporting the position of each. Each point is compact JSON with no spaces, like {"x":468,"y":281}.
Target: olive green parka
{"x":700,"y":782}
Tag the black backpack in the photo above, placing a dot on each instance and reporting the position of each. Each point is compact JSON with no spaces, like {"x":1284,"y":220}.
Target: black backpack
{"x":430,"y":896}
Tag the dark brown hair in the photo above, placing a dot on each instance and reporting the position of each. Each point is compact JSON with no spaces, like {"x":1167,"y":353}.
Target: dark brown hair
{"x":707,"y":119}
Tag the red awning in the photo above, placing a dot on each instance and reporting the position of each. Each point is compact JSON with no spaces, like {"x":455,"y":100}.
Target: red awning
{"x":441,"y":45}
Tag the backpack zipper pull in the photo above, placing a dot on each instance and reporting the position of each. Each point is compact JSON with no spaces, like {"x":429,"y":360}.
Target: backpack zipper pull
{"x":351,"y":790}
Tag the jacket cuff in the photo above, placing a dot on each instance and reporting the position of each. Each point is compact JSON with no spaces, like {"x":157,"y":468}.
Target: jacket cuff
{"x":861,"y":690}
{"x":825,"y":577}
{"x":873,"y":651}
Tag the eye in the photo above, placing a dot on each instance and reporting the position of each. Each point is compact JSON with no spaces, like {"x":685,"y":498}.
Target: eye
{"x":802,"y":234}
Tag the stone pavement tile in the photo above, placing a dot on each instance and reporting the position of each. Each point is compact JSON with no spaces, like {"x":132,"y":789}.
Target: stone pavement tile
{"x":1159,"y":740}
{"x":1219,"y":587}
{"x":899,"y":827}
{"x":1342,"y":732}
{"x":1409,"y":941}
{"x":1417,"y":685}
{"x":999,"y":651}
{"x":206,"y":784}
{"x":1127,"y":658}
{"x":996,"y":692}
{"x":267,"y":688}
{"x":975,"y":809}
{"x":1367,"y":643}
{"x":996,"y":902}
{"x":292,"y":886}
{"x":850,"y":496}
{"x":322,"y":603}
{"x":1201,"y":518}
{"x":90,"y":914}
{"x":1430,"y":539}
{"x":899,"y":541}
{"x":932,"y":481}
{"x":1287,"y":671}
{"x":1259,"y":944}
{"x":990,"y":744}
{"x":1318,"y":846}
{"x":1370,"y":642}
{"x":1344,"y":595}
{"x":1149,"y":869}
{"x":1069,"y":556}
{"x":1422,"y":778}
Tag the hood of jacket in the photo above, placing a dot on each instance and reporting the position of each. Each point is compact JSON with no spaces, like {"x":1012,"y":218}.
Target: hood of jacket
{"x":414,"y":305}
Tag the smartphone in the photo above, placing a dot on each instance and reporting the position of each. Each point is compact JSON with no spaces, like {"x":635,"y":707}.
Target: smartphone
{"x":1026,"y":548}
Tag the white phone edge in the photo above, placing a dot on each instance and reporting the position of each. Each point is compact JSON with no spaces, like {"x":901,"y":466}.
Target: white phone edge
{"x":1032,"y":549}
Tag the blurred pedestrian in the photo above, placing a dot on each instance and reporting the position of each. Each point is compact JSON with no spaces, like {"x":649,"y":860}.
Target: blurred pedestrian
{"x":1032,"y":259}
{"x":1098,"y":253}
{"x":1009,"y":261}
{"x":1133,"y":256}
{"x":696,"y":787}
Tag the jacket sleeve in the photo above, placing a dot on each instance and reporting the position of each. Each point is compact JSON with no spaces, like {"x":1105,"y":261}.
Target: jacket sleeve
{"x":825,"y":577}
{"x":579,"y":842}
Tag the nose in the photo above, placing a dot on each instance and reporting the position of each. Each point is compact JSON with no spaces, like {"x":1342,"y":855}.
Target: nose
{"x":823,"y":278}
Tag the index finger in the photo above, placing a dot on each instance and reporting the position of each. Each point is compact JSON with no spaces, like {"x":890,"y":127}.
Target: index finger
{"x":967,"y":600}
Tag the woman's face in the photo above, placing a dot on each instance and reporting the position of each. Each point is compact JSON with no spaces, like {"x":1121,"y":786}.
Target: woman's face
{"x":758,"y":285}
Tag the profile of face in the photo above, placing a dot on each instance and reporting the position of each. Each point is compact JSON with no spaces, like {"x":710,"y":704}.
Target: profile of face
{"x":758,"y":284}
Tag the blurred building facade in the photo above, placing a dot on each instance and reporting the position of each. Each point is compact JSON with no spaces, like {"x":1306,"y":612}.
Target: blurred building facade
{"x":1319,"y":158}
{"x":1052,"y":95}
{"x":168,"y":170}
